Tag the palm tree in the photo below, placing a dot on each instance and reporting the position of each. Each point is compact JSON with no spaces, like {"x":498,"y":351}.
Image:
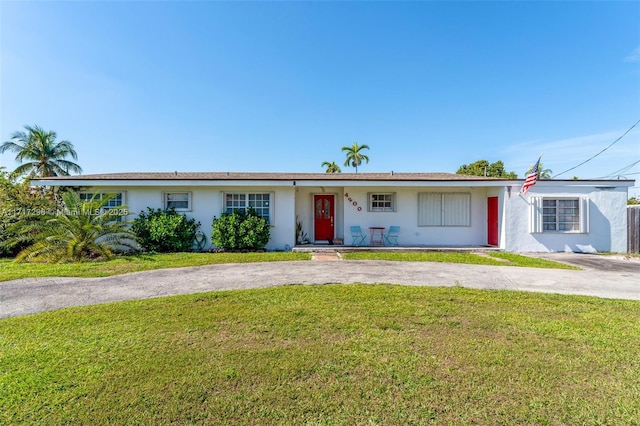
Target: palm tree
{"x":545,"y":173}
{"x":43,"y":155}
{"x":82,"y":230}
{"x":542,"y":172}
{"x":332,"y":167}
{"x":354,"y":156}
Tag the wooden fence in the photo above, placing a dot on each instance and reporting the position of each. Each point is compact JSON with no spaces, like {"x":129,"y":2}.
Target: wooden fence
{"x":633,"y":229}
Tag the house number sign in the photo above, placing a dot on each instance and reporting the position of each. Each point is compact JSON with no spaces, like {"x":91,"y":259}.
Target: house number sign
{"x":353,"y":202}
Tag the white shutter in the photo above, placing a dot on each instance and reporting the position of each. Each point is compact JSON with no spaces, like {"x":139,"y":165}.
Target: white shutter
{"x":429,"y":209}
{"x":584,"y":215}
{"x":535,"y":215}
{"x":223,"y":207}
{"x":272,"y":208}
{"x":456,"y":211}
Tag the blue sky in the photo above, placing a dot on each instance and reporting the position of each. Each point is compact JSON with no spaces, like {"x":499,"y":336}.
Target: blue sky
{"x":282,"y":86}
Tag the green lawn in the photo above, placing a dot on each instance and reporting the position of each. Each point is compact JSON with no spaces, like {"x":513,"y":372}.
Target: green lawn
{"x":334,"y":354}
{"x":488,"y":258}
{"x":134,"y":263}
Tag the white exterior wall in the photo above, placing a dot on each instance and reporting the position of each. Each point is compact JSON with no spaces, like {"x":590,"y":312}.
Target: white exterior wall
{"x":607,"y":227}
{"x":406,"y":216}
{"x":207,"y":202}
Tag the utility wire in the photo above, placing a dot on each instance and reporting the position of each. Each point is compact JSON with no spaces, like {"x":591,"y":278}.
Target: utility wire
{"x":610,"y":145}
{"x":621,"y":171}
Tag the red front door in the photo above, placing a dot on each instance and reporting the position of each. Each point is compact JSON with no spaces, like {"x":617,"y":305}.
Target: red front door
{"x":492,"y":221}
{"x":323,"y":217}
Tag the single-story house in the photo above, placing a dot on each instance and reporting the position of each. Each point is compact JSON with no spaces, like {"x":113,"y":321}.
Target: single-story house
{"x":432,"y":209}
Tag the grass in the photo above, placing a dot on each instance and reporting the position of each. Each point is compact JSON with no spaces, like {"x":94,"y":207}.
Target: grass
{"x":334,"y":354}
{"x":144,"y":262}
{"x":135,"y":263}
{"x":488,"y":258}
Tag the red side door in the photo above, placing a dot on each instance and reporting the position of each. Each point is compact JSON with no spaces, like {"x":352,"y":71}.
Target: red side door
{"x":323,"y":206}
{"x":492,"y":221}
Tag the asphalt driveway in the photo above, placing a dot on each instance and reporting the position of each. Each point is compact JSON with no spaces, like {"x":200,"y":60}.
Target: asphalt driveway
{"x":27,"y":296}
{"x":598,"y":262}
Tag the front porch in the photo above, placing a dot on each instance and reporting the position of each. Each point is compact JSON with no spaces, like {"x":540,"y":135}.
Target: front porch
{"x":444,"y":218}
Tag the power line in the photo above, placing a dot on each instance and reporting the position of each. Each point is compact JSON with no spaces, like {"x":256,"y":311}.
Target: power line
{"x":610,"y":145}
{"x":621,"y":171}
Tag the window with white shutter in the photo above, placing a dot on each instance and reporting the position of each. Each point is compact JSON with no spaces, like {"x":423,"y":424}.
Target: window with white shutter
{"x":444,"y":209}
{"x":559,"y":215}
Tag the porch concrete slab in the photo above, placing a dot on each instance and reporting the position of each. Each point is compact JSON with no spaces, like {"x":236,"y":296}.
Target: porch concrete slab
{"x":326,"y":256}
{"x":27,"y":296}
{"x":320,"y":248}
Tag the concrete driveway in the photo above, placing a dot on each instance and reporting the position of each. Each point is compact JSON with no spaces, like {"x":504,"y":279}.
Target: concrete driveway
{"x":27,"y":296}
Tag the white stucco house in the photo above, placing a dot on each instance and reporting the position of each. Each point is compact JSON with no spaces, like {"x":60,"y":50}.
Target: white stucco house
{"x":432,"y":209}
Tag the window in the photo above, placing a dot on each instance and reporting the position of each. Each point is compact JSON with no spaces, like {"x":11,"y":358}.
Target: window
{"x":114,"y":203}
{"x":385,"y":202}
{"x":180,"y":201}
{"x":235,"y":201}
{"x":444,"y":209}
{"x":260,"y":202}
{"x":563,"y":215}
{"x":560,"y":215}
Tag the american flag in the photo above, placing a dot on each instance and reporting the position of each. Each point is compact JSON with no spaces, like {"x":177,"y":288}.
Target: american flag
{"x":531,"y":178}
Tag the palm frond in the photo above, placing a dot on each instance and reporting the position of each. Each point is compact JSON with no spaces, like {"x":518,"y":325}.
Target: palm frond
{"x":24,"y":169}
{"x":83,"y":230}
{"x":40,"y":149}
{"x":354,"y":156}
{"x":68,"y":166}
{"x":11,"y":146}
{"x":64,"y":148}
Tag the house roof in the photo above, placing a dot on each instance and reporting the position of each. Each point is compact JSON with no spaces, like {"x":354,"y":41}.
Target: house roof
{"x":177,"y":176}
{"x":190,"y":179}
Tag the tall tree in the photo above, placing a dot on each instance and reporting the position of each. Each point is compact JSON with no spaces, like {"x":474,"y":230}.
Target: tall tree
{"x":354,"y":156}
{"x":40,"y":154}
{"x":332,"y":167}
{"x":483,"y":168}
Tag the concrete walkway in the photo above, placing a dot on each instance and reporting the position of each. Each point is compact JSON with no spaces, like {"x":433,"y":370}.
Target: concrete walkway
{"x":27,"y":296}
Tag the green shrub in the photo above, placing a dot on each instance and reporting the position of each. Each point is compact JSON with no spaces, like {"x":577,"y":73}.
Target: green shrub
{"x":164,"y":231}
{"x":240,"y":231}
{"x":21,"y":203}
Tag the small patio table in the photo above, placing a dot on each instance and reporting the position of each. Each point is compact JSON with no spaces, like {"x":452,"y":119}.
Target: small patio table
{"x":377,"y":235}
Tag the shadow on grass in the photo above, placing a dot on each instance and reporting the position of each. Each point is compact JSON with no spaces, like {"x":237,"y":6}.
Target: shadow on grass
{"x":134,"y":257}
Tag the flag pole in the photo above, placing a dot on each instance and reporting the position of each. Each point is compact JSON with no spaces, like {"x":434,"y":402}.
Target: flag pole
{"x":531,"y":178}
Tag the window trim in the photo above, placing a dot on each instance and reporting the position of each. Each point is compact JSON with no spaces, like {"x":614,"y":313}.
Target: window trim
{"x":123,"y":195}
{"x":272,"y":205}
{"x":536,"y":215}
{"x":370,"y":207}
{"x":165,"y":200}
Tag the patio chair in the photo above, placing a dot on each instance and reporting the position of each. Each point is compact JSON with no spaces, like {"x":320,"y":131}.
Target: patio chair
{"x":391,"y":237}
{"x":357,"y":235}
